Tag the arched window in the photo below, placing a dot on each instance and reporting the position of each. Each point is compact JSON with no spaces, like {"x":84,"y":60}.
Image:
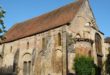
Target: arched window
{"x":16,"y":60}
{"x":27,"y":68}
{"x":43,"y":43}
{"x":59,"y":39}
{"x":98,"y":43}
{"x":27,"y":45}
{"x":27,"y":64}
{"x":24,"y":68}
{"x":11,"y":49}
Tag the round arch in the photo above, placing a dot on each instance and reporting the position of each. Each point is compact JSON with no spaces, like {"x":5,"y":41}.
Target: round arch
{"x":26,"y":54}
{"x":16,"y":61}
{"x":98,"y":43}
{"x":98,"y":46}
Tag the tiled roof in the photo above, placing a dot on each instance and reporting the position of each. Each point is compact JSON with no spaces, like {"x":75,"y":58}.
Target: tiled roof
{"x":44,"y":22}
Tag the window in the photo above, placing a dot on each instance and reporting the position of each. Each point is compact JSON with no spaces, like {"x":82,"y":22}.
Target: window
{"x":11,"y":49}
{"x":27,"y":45}
{"x":98,"y":43}
{"x":43,"y":43}
{"x":27,"y":68}
{"x":59,"y":39}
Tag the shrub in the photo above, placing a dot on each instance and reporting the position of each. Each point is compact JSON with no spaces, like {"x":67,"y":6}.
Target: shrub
{"x":107,"y":64}
{"x":84,"y":65}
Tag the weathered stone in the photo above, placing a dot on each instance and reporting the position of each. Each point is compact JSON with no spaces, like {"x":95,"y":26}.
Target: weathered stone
{"x":57,"y":58}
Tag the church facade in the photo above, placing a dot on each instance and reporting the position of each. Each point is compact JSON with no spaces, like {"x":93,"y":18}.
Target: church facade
{"x":47,"y":45}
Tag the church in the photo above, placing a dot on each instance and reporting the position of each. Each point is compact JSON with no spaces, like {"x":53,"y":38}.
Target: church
{"x":47,"y":44}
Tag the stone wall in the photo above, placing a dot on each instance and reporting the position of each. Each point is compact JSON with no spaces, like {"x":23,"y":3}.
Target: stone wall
{"x":46,"y":54}
{"x":84,"y":26}
{"x":45,"y":61}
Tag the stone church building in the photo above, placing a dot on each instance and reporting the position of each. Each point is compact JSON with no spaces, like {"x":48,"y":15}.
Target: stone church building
{"x":47,"y":44}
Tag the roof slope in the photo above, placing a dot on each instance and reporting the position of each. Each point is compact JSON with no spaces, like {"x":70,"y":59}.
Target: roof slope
{"x":44,"y":22}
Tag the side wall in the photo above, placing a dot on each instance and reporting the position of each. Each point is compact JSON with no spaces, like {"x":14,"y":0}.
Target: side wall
{"x":47,"y":60}
{"x":47,"y":55}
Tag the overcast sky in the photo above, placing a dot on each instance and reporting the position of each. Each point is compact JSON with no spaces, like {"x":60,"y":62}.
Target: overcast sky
{"x":21,"y":10}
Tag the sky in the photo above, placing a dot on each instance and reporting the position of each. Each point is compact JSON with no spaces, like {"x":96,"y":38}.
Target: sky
{"x":21,"y":10}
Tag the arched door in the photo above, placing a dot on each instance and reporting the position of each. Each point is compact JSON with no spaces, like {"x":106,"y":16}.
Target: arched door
{"x":98,"y":44}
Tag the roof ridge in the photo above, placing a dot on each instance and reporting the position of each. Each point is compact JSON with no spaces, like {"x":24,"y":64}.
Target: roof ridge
{"x":41,"y":23}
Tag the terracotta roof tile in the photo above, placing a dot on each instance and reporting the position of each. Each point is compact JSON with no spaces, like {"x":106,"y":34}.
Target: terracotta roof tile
{"x":44,"y":22}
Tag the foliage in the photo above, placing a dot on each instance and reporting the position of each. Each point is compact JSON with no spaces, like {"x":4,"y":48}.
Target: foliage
{"x":84,"y":65}
{"x":107,"y":64}
{"x":2,"y":13}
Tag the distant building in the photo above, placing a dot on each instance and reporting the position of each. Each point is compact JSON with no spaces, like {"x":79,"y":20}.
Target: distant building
{"x":47,"y":45}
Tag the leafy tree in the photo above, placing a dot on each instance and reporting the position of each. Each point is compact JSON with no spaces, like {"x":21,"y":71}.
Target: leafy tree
{"x":107,"y":64}
{"x":2,"y":13}
{"x":2,"y":26}
{"x":84,"y":65}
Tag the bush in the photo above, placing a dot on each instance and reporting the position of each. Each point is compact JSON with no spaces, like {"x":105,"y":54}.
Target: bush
{"x":107,"y":64}
{"x":84,"y":65}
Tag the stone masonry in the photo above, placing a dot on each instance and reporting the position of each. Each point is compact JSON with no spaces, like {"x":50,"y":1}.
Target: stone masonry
{"x":52,"y":51}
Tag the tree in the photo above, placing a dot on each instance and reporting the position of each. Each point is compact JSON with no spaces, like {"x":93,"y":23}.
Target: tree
{"x":107,"y":64}
{"x":2,"y":26}
{"x":2,"y":13}
{"x":84,"y":65}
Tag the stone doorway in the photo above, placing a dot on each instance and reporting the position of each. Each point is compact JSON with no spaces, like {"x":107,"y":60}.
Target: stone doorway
{"x":98,"y":45}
